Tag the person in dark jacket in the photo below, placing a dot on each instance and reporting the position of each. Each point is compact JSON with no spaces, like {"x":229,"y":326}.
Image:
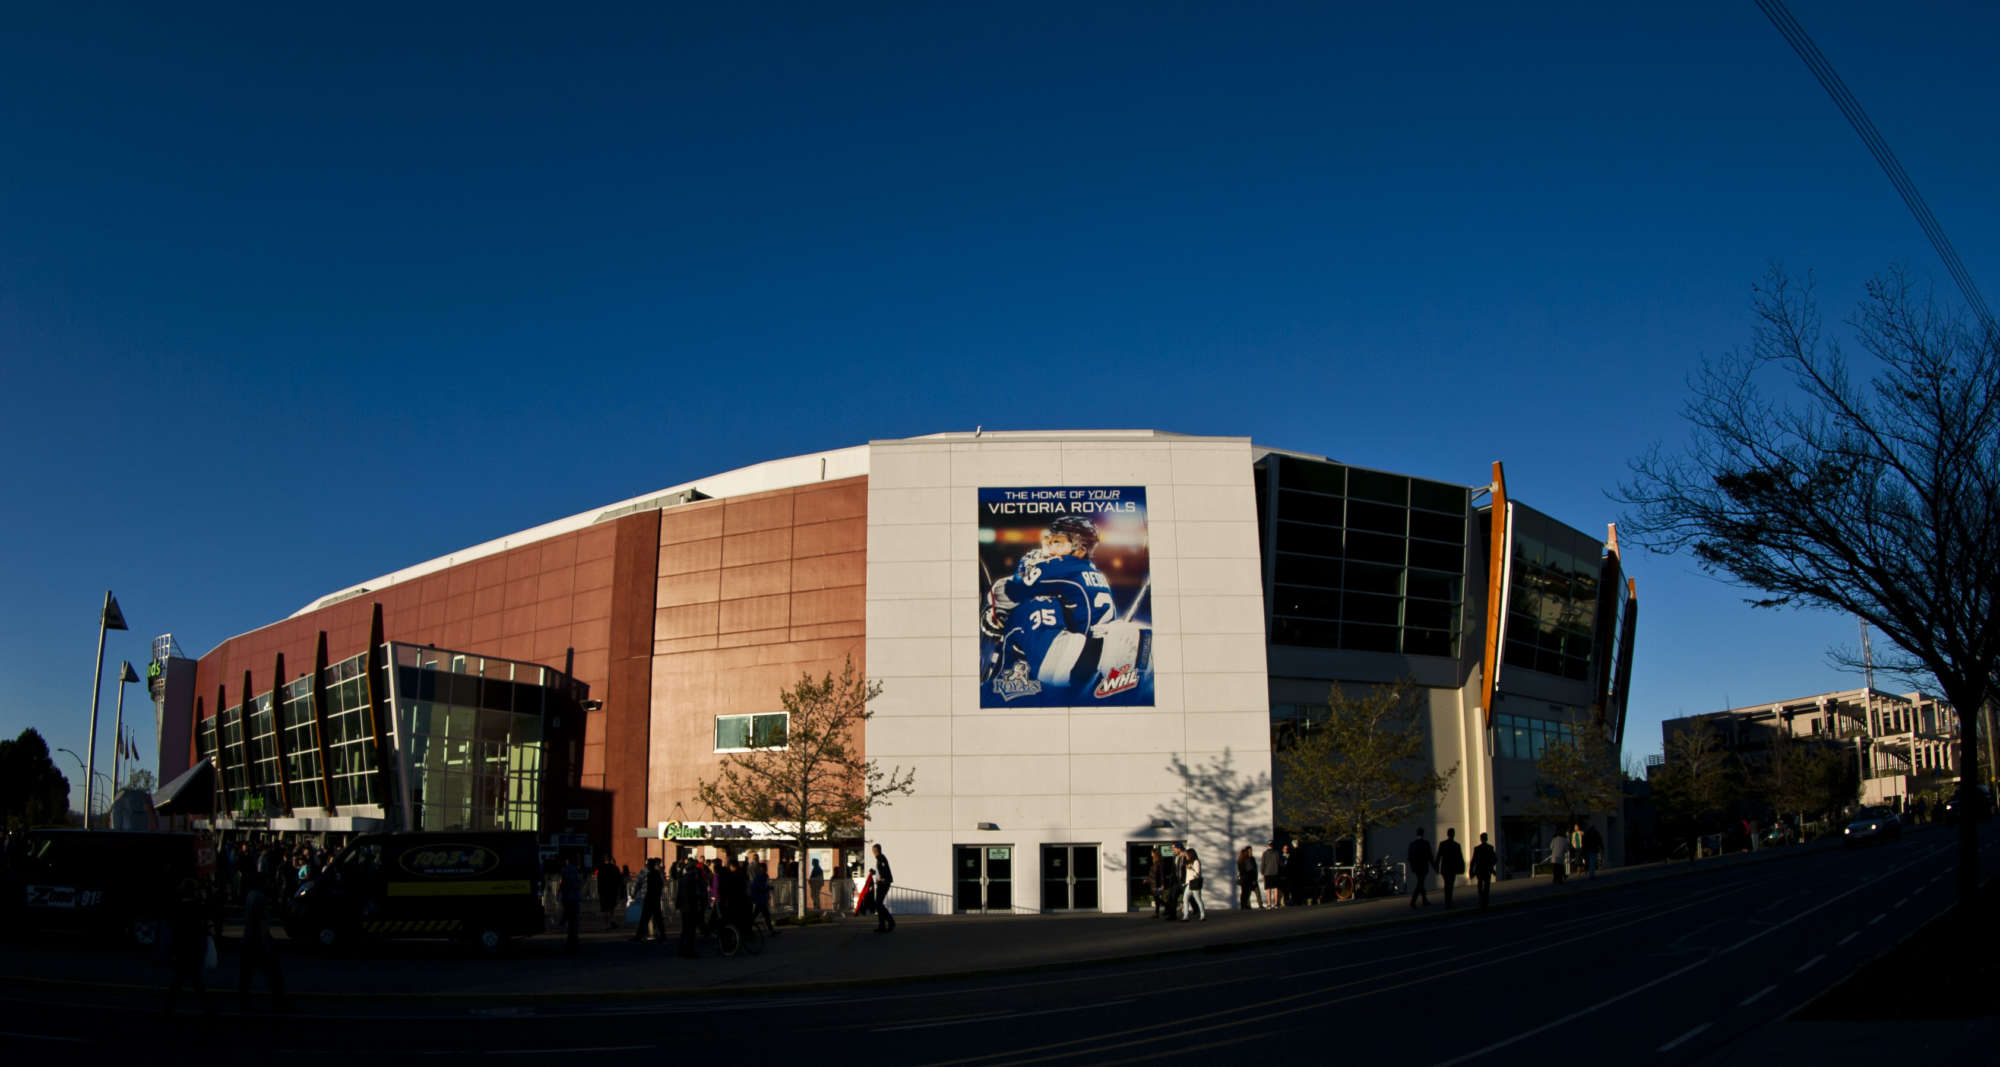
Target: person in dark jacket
{"x":652,"y":884}
{"x":570,"y":894}
{"x":260,"y":953}
{"x":760,"y":898}
{"x":1484,"y":860}
{"x":610,"y":893}
{"x":1418,"y":856}
{"x":187,"y":945}
{"x":691,"y":899}
{"x":1450,"y":862}
{"x":885,"y":923}
{"x":1593,"y":843}
{"x":1246,"y":879}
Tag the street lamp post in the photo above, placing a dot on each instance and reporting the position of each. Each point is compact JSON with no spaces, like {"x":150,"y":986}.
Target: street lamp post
{"x":109,"y":619}
{"x":89,"y":774}
{"x":126,"y":676}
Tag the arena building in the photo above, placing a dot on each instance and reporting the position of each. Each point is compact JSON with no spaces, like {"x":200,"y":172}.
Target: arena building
{"x":1087,"y":642}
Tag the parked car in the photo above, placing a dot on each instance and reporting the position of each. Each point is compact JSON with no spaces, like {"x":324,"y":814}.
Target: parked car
{"x":1983,"y":805}
{"x":1873,"y":824}
{"x":109,"y":883}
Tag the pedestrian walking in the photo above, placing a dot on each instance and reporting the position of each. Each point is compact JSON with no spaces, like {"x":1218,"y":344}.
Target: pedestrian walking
{"x":1192,"y":874}
{"x":610,"y":893}
{"x":1156,"y":883}
{"x":1450,"y":862}
{"x":1576,"y":841}
{"x":691,"y":900}
{"x":188,"y":946}
{"x":885,"y":923}
{"x":760,"y":898}
{"x":1272,"y":866}
{"x":1559,"y":856}
{"x":1174,"y":880}
{"x":260,"y":953}
{"x":1418,"y":856}
{"x":1593,"y":843}
{"x":1246,"y":879}
{"x":652,"y":885}
{"x":570,"y":895}
{"x":1484,"y":860}
{"x":815,"y":879}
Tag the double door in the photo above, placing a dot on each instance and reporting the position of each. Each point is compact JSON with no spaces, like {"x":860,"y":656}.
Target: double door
{"x":1069,"y":877}
{"x":983,"y":878}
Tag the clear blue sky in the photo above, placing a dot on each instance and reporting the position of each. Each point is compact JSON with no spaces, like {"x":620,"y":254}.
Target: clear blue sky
{"x":292,"y":298}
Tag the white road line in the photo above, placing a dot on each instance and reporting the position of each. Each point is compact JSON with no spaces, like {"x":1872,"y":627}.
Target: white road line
{"x":1878,"y":918}
{"x":1892,"y":907}
{"x":1842,"y":943}
{"x":540,"y":1051}
{"x":1000,"y":1016}
{"x":1675,"y":1043}
{"x":1807,"y":965}
{"x":42,"y":1037}
{"x":1673,"y":974}
{"x":1755,"y":997}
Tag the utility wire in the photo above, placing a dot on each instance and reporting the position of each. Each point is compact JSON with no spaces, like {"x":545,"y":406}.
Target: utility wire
{"x":1829,"y":79}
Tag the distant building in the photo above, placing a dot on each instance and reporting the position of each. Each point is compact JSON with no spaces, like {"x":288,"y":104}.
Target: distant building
{"x":1904,"y":744}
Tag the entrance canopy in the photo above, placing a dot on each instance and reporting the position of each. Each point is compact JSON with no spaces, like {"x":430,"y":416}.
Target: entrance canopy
{"x":193,"y":793}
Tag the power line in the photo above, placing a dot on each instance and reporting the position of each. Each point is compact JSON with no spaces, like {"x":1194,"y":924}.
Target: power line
{"x":1829,"y":80}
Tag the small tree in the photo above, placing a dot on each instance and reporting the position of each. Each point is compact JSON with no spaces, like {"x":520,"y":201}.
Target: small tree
{"x":1578,"y":778}
{"x":815,"y":778}
{"x":1697,"y":781}
{"x":32,"y":791}
{"x":1362,"y":767}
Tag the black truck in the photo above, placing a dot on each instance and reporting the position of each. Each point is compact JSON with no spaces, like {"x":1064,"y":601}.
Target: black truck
{"x":479,"y":887}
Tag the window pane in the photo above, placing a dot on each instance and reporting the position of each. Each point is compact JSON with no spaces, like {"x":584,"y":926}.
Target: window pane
{"x":1310,"y":507}
{"x":732,"y":731}
{"x":1437,"y":557}
{"x":1312,"y":540}
{"x":1447,"y":528}
{"x":1375,"y":548}
{"x":1372,"y":578}
{"x":771,"y":730}
{"x":1381,"y":518}
{"x":1368,"y":638}
{"x":1377,"y":486}
{"x":1307,"y":474}
{"x":1309,"y":603}
{"x":1437,"y":496}
{"x":1308,"y":570}
{"x":1434,"y":586}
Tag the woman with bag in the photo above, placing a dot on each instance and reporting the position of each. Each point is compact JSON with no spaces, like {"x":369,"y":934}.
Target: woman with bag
{"x":1194,"y":904}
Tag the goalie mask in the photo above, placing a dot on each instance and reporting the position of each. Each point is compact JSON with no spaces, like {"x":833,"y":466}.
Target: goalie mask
{"x":1070,"y":535}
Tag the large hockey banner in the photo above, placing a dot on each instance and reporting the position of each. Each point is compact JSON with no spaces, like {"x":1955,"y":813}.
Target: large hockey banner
{"x":1064,"y":614}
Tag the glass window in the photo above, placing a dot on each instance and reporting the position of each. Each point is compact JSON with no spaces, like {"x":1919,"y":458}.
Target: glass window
{"x":1309,"y":603}
{"x":1437,"y":496}
{"x":1377,"y":486}
{"x":1309,"y":474}
{"x":1432,"y":585}
{"x":1437,"y":557}
{"x":1307,"y":633}
{"x":1380,"y":518}
{"x":1310,"y":507}
{"x":1383,"y":610}
{"x":1311,"y":540}
{"x":1374,"y":578}
{"x":1368,"y":638}
{"x":741,"y":732}
{"x":1375,"y":548}
{"x":1449,"y":529}
{"x":1308,"y":570}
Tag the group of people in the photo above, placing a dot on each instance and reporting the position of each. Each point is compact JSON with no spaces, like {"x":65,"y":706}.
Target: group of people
{"x":1175,"y":881}
{"x":1448,"y":860}
{"x":1575,"y":852}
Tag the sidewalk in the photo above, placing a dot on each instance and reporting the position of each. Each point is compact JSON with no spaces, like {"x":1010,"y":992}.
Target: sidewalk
{"x":845,"y":952}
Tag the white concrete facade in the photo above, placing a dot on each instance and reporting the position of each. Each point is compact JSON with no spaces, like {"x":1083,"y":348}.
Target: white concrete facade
{"x":1109,"y":776}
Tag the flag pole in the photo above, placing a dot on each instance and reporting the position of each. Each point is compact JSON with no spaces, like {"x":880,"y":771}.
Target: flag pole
{"x":125,"y":677}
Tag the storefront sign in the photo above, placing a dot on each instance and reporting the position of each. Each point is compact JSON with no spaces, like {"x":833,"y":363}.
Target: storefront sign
{"x":1064,"y":613}
{"x":734,"y":831}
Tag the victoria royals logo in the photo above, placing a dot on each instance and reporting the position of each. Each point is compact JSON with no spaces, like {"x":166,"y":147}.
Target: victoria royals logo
{"x":1015,"y":682}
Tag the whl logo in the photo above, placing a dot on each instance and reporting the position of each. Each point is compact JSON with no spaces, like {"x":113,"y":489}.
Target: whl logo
{"x":1117,"y":680}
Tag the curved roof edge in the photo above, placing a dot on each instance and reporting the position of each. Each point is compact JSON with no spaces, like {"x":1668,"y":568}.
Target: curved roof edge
{"x":756,"y":478}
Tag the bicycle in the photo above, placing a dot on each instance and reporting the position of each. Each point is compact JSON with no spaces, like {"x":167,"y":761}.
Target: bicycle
{"x":731,"y":938}
{"x":1379,"y":879}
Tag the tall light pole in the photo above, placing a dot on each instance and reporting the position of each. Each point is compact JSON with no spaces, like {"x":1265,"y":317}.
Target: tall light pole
{"x":126,"y":676}
{"x":109,"y":619}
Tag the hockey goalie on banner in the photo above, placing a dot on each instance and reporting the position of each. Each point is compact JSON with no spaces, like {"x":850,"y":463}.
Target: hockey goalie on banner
{"x":1053,"y":631}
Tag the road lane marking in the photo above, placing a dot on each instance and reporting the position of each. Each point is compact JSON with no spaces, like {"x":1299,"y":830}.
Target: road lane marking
{"x":998,"y":1016}
{"x":1755,"y":997}
{"x":1878,"y":918}
{"x":1899,"y":903}
{"x":1676,"y":1042}
{"x":1807,"y":965}
{"x":43,"y":1037}
{"x":1670,"y":975}
{"x":540,"y":1051}
{"x":1842,"y":943}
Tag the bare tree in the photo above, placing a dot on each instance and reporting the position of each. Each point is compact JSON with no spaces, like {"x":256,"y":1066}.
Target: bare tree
{"x":1697,"y":780}
{"x":1879,"y":500}
{"x":1363,"y":767}
{"x":814,"y":778}
{"x":1809,"y":776}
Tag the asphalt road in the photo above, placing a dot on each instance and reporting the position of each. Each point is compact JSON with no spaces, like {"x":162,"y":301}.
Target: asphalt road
{"x":1681,"y":969}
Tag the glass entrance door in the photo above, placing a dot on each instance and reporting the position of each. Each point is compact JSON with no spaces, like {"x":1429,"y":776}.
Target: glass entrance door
{"x":1069,"y":877}
{"x":983,"y":878}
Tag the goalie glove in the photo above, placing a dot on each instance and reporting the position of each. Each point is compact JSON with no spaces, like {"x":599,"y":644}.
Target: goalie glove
{"x":993,"y":619}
